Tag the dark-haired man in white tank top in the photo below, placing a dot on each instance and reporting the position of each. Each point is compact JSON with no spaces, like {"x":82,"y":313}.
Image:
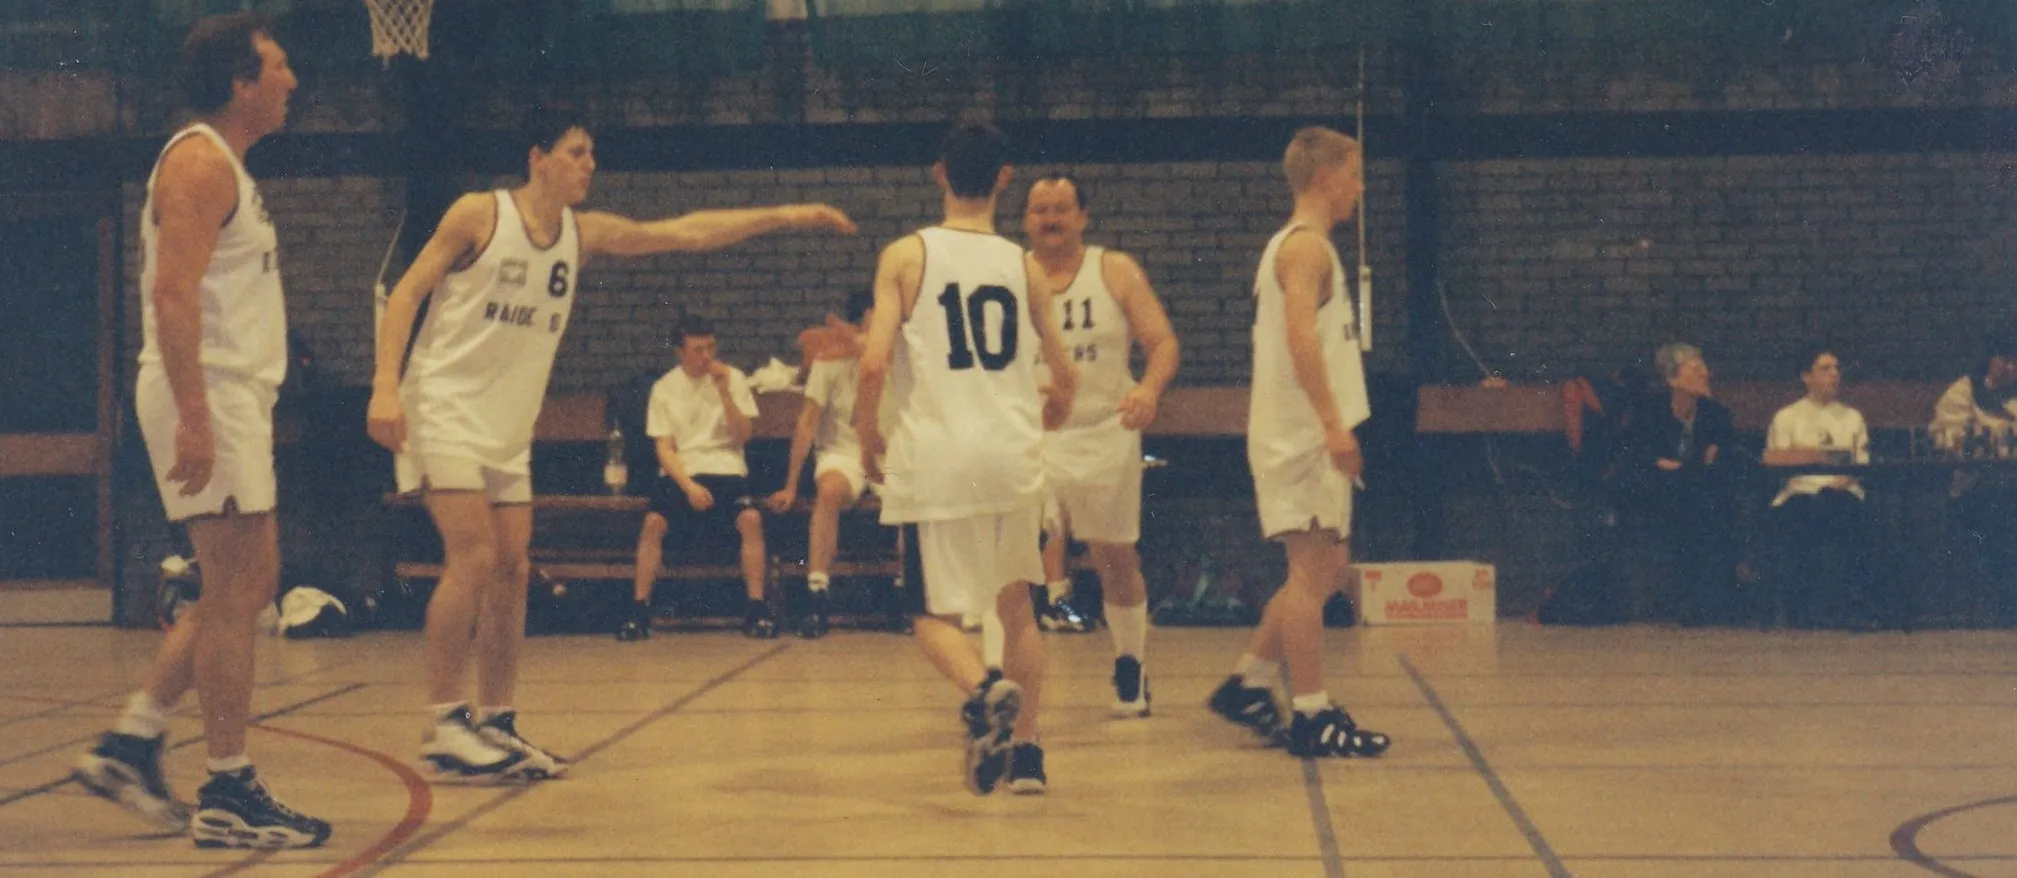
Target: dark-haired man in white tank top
{"x":503,"y":268}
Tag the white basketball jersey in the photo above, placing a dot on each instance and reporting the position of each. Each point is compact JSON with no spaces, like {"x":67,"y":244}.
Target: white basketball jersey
{"x":1281,"y":423}
{"x":1097,"y":336}
{"x":478,"y":374}
{"x":244,"y":310}
{"x":968,"y":426}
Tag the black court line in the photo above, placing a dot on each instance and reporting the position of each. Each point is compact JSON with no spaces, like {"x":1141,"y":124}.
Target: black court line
{"x":1320,"y":814}
{"x":1905,"y":839}
{"x":93,"y":702}
{"x":33,"y":791}
{"x":583,"y":755}
{"x":1505,"y":796}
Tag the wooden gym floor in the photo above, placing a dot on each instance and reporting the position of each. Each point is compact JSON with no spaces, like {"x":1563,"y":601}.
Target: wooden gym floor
{"x":1520,"y":751}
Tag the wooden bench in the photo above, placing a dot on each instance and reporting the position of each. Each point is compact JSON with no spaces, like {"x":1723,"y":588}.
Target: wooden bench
{"x":1537,"y":408}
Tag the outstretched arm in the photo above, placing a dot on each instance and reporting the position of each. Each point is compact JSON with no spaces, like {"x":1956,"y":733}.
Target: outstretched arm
{"x":1151,"y":328}
{"x":703,"y":229}
{"x":463,"y":229}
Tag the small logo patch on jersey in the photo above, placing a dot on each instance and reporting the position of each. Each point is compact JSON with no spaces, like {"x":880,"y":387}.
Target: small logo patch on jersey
{"x":512,"y":272}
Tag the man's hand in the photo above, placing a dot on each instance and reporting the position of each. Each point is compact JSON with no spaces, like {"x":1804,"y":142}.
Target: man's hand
{"x":699,"y":497}
{"x":1057,"y":405}
{"x":872,"y":447}
{"x":781,"y":501}
{"x":1138,"y":408}
{"x":1343,"y":448}
{"x":1667,"y":463}
{"x":195,"y":455}
{"x":718,"y":371}
{"x":819,"y":216}
{"x":385,"y":420}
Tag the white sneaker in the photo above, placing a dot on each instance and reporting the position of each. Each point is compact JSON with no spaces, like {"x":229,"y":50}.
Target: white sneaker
{"x":454,"y":749}
{"x":501,"y":731}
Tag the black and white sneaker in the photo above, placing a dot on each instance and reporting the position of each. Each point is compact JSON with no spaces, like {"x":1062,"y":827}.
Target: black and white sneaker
{"x":127,"y":769}
{"x":1026,"y":769}
{"x":1251,"y":706}
{"x":634,"y":630}
{"x":455,"y":750}
{"x":759,"y":623}
{"x":990,"y":716}
{"x":1331,"y":732}
{"x":235,"y":810}
{"x":1131,"y":688}
{"x":501,"y":731}
{"x":813,"y":625}
{"x":1063,"y":618}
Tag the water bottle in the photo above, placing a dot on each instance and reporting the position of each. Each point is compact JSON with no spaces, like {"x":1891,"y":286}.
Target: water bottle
{"x":616,"y":470}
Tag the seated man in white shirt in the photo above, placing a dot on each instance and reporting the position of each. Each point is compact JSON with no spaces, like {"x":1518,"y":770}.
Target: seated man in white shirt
{"x":1827,"y":542}
{"x":826,"y":424}
{"x":701,"y":414}
{"x":1975,"y":411}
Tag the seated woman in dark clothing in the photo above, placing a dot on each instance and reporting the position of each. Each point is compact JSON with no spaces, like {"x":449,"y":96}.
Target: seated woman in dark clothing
{"x":1677,"y":496}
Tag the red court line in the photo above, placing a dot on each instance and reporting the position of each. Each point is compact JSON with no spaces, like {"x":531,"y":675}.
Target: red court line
{"x":419,"y":801}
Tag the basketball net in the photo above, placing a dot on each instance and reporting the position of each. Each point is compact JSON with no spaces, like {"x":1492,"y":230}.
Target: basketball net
{"x":399,"y":26}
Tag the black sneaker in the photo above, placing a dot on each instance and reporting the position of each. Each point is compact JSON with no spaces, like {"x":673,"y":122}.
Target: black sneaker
{"x":1063,"y":618}
{"x":1251,"y":706}
{"x":990,"y":717}
{"x":1331,"y":732}
{"x":501,"y":731}
{"x":127,"y":769}
{"x":759,"y":623}
{"x":235,"y":810}
{"x":1131,"y":688}
{"x":634,"y":630}
{"x":1026,"y":769}
{"x":813,"y":625}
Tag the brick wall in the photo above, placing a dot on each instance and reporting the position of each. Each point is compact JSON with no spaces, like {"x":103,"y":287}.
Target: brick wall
{"x":1559,"y":267}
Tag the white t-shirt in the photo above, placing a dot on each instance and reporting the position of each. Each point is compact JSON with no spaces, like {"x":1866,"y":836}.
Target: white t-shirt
{"x":689,"y":410}
{"x":832,"y":387}
{"x":1832,"y":427}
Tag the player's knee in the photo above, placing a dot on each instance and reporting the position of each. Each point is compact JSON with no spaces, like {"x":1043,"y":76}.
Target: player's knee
{"x":654,"y":528}
{"x":512,"y":570}
{"x":833,"y":492}
{"x":749,"y":523}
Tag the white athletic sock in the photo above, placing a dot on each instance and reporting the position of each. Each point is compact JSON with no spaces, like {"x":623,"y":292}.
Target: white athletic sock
{"x":440,"y":712}
{"x":991,"y":638}
{"x":1256,"y":672}
{"x":143,"y":718}
{"x":1129,"y":627}
{"x":816,"y":582}
{"x":1312,"y":704}
{"x":1059,"y":589}
{"x":228,"y":764}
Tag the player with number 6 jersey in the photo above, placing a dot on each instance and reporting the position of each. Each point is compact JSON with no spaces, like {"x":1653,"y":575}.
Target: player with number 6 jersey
{"x":503,"y":268}
{"x":960,"y":318}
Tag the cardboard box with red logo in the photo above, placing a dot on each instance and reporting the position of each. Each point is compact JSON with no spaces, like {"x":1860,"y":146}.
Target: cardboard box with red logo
{"x":1423,"y":593}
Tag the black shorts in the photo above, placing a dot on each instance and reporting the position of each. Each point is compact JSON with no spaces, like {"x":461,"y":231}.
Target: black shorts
{"x":694,"y":536}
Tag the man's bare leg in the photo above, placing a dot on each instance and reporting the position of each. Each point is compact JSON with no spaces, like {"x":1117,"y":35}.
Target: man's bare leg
{"x":650,"y":553}
{"x":759,"y":622}
{"x":469,"y":542}
{"x":1320,"y":727}
{"x":500,"y":632}
{"x":1022,"y":654}
{"x":1126,"y":597}
{"x":834,"y":492}
{"x":500,"y":637}
{"x":240,"y":559}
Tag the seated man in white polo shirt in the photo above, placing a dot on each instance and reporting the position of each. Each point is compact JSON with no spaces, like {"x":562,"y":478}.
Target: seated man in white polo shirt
{"x":701,"y":414}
